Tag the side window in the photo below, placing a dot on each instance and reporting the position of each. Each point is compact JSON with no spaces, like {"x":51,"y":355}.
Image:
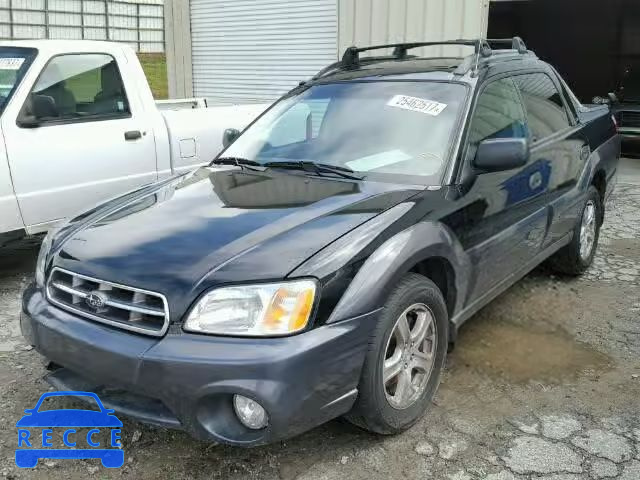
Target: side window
{"x":498,"y":114}
{"x":546,"y":113}
{"x":73,"y":87}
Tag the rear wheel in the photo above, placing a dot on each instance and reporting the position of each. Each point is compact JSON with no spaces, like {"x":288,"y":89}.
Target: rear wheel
{"x":576,"y":257}
{"x":405,"y":358}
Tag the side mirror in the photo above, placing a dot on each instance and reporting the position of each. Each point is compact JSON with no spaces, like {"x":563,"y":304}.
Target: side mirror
{"x":613,"y":98}
{"x":229,"y":136}
{"x":27,"y":121}
{"x":37,"y":108}
{"x":499,"y":154}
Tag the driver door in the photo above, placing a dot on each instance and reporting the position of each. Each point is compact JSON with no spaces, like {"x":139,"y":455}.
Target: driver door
{"x":86,"y":139}
{"x":505,"y":221}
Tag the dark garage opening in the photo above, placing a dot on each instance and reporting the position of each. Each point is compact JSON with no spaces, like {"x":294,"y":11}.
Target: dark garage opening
{"x":592,"y":43}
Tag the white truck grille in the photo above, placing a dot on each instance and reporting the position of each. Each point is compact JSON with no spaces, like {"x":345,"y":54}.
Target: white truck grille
{"x":117,"y":305}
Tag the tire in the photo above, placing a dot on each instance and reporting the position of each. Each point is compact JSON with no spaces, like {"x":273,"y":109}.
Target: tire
{"x":569,"y":260}
{"x":379,"y":407}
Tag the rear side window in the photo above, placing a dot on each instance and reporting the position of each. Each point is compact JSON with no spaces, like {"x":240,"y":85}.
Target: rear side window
{"x":546,"y":112}
{"x":498,"y":114}
{"x":74,"y":87}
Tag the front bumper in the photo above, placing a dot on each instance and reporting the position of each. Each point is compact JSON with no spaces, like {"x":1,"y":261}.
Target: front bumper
{"x":187,"y":381}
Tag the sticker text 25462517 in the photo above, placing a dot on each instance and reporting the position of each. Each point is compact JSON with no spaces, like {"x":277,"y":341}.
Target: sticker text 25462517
{"x":415,"y":104}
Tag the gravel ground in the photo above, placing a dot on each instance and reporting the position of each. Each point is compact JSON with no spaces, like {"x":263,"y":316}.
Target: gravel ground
{"x":543,"y":384}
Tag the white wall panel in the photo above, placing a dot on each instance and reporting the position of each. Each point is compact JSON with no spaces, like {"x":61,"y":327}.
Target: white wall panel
{"x":22,"y":16}
{"x":95,"y":33}
{"x":368,"y":22}
{"x":65,"y":5}
{"x":28,"y":32}
{"x":130,"y":21}
{"x":65,"y":33}
{"x":94,"y":6}
{"x":94,"y":20}
{"x":28,"y":4}
{"x":61,"y":19}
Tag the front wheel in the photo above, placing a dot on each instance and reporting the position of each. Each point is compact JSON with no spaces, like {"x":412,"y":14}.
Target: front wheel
{"x":405,"y":358}
{"x":576,"y":257}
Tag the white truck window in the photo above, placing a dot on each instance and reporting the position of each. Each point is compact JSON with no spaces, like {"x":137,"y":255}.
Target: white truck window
{"x":76,"y":87}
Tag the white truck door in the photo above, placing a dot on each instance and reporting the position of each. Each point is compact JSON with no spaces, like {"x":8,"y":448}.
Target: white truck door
{"x":9,"y":213}
{"x":81,"y":137}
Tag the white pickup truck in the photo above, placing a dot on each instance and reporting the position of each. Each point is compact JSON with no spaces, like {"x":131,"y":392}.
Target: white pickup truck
{"x":79,"y":125}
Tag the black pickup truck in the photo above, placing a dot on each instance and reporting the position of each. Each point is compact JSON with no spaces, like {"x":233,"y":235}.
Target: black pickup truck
{"x":324,"y":262}
{"x":625,"y":104}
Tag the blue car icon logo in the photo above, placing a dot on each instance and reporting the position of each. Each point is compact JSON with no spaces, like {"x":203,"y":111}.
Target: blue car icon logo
{"x":35,"y":431}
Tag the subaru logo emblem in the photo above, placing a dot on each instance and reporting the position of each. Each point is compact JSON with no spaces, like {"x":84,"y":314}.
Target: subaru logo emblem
{"x":96,"y":300}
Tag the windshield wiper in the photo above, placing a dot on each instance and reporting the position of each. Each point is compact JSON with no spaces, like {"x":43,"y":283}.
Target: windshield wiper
{"x":317,"y":168}
{"x":240,"y":162}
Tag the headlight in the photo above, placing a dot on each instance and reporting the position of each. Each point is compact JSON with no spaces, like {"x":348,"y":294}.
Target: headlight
{"x":254,"y":310}
{"x":42,"y":258}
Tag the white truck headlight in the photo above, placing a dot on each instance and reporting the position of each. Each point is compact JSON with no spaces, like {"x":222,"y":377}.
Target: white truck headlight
{"x":254,"y":310}
{"x":42,"y":259}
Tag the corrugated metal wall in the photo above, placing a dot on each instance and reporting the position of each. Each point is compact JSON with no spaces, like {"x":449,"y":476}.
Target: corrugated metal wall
{"x":138,"y":23}
{"x":368,"y":22}
{"x":255,"y":50}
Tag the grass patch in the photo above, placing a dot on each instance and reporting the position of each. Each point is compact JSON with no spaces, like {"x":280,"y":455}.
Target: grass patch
{"x":155,"y":68}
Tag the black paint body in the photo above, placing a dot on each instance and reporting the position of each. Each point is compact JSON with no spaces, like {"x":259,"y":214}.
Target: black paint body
{"x":475,"y":234}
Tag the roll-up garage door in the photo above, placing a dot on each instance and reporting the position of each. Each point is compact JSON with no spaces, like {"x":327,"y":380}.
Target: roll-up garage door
{"x":248,"y":51}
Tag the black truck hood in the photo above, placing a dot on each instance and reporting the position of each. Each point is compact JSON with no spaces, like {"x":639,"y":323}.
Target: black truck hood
{"x":220,"y":225}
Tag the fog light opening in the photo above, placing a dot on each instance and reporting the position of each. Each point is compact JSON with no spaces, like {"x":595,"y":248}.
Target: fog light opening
{"x":250,"y":413}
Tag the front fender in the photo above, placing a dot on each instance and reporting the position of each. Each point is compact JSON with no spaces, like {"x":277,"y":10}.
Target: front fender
{"x":370,"y":287}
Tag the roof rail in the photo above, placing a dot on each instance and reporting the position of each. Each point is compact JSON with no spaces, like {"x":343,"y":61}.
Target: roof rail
{"x":516,"y":43}
{"x":482,"y":48}
{"x":351,"y":56}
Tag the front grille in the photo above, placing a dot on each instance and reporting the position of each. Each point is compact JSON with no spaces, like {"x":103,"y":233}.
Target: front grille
{"x":117,"y":305}
{"x":630,"y":119}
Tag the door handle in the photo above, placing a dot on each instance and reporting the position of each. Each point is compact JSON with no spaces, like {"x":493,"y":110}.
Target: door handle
{"x":585,"y":152}
{"x":132,"y":135}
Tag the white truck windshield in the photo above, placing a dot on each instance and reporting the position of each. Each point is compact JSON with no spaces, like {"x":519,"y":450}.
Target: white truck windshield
{"x":14,"y":62}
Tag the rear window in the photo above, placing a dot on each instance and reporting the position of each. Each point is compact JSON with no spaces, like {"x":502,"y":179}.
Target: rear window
{"x":546,"y":112}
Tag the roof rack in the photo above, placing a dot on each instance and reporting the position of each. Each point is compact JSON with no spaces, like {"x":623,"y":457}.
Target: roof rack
{"x":516,"y":43}
{"x":351,"y":57}
{"x":482,"y":48}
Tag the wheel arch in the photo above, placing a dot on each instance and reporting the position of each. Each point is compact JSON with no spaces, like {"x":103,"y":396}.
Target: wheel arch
{"x":440,"y":271}
{"x":427,"y":248}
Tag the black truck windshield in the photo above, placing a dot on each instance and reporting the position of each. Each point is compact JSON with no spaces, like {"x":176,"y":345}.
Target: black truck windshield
{"x":386,"y":130}
{"x":14,"y":62}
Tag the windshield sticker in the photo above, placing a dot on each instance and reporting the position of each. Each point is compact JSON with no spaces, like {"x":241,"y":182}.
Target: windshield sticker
{"x":415,"y":104}
{"x":9,"y":63}
{"x":371,"y":162}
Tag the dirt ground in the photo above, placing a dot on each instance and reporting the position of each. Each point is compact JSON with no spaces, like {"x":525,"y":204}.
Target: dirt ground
{"x":543,"y":383}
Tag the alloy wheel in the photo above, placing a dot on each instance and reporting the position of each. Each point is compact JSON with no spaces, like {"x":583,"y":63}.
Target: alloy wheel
{"x":588,"y":230}
{"x":409,"y":356}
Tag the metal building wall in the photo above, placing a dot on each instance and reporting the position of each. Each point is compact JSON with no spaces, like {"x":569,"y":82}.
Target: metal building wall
{"x":360,"y":22}
{"x":139,"y":23}
{"x":367,"y":22}
{"x":179,"y":61}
